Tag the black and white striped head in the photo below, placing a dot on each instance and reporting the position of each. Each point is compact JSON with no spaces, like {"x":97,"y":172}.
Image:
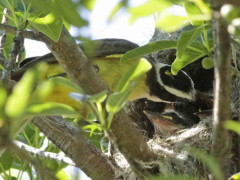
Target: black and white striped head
{"x":168,"y":87}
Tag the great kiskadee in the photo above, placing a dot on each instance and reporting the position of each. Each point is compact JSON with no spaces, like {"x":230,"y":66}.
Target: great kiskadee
{"x":157,"y":85}
{"x":166,"y":123}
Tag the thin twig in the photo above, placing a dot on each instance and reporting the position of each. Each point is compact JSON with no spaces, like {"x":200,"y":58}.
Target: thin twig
{"x":50,"y":155}
{"x":43,"y":172}
{"x":5,"y":21}
{"x":27,"y":34}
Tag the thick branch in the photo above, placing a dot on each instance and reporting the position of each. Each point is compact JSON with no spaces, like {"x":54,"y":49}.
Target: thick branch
{"x":128,"y":138}
{"x":76,"y":146}
{"x":222,"y":111}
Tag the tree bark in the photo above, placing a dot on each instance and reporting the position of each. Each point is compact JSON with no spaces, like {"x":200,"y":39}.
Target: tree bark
{"x":76,"y":146}
{"x":221,"y":148}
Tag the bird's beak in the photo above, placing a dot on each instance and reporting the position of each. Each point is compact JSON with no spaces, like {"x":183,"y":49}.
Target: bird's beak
{"x":163,"y":125}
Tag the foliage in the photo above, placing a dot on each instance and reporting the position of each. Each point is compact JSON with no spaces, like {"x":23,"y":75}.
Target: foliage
{"x":26,"y":99}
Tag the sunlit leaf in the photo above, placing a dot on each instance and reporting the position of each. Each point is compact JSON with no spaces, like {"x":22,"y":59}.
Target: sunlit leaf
{"x":235,"y":177}
{"x":50,"y":25}
{"x":233,"y":125}
{"x":117,"y":100}
{"x":63,"y":175}
{"x":39,"y":8}
{"x":204,"y":6}
{"x":89,"y":4}
{"x":194,"y":52}
{"x":169,"y":22}
{"x":65,"y":82}
{"x":149,"y":48}
{"x":207,"y":63}
{"x":187,"y":38}
{"x":117,"y":7}
{"x":19,"y":99}
{"x":210,"y":162}
{"x":192,"y":10}
{"x":52,"y":109}
{"x":98,"y":98}
{"x":149,"y":8}
{"x":68,"y":10}
{"x":93,"y":128}
{"x":141,"y":67}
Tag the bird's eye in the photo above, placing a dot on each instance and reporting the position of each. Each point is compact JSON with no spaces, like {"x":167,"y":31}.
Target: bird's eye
{"x":96,"y":68}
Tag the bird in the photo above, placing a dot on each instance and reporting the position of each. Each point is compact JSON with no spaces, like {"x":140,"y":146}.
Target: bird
{"x":158,"y":84}
{"x":166,"y":87}
{"x":167,"y":123}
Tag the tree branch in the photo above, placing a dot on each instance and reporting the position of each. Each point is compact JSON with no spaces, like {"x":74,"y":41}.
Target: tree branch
{"x":130,"y":141}
{"x":43,"y":172}
{"x":76,"y":146}
{"x":38,"y":36}
{"x":49,"y":155}
{"x":222,"y":95}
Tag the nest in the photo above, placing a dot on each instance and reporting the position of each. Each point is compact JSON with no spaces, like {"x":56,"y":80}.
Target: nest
{"x":174,"y":152}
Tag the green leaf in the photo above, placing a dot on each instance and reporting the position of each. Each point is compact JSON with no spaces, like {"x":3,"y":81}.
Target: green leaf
{"x":170,"y":23}
{"x":148,"y":8}
{"x":232,"y":125}
{"x":6,"y":161}
{"x":119,"y":6}
{"x":210,"y":162}
{"x":93,"y":128}
{"x":147,"y":49}
{"x":50,"y":25}
{"x":98,"y":98}
{"x":203,"y":6}
{"x":117,"y":100}
{"x":194,"y":52}
{"x":207,"y":63}
{"x":192,"y":10}
{"x":141,"y":67}
{"x":68,"y":10}
{"x":63,"y":175}
{"x":52,"y":109}
{"x":235,"y":177}
{"x":39,"y":8}
{"x":186,"y":38}
{"x":65,"y":82}
{"x":20,"y":97}
{"x":89,"y":4}
{"x":10,"y":4}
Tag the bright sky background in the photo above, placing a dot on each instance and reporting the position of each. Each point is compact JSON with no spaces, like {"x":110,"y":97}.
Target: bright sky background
{"x":140,"y":32}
